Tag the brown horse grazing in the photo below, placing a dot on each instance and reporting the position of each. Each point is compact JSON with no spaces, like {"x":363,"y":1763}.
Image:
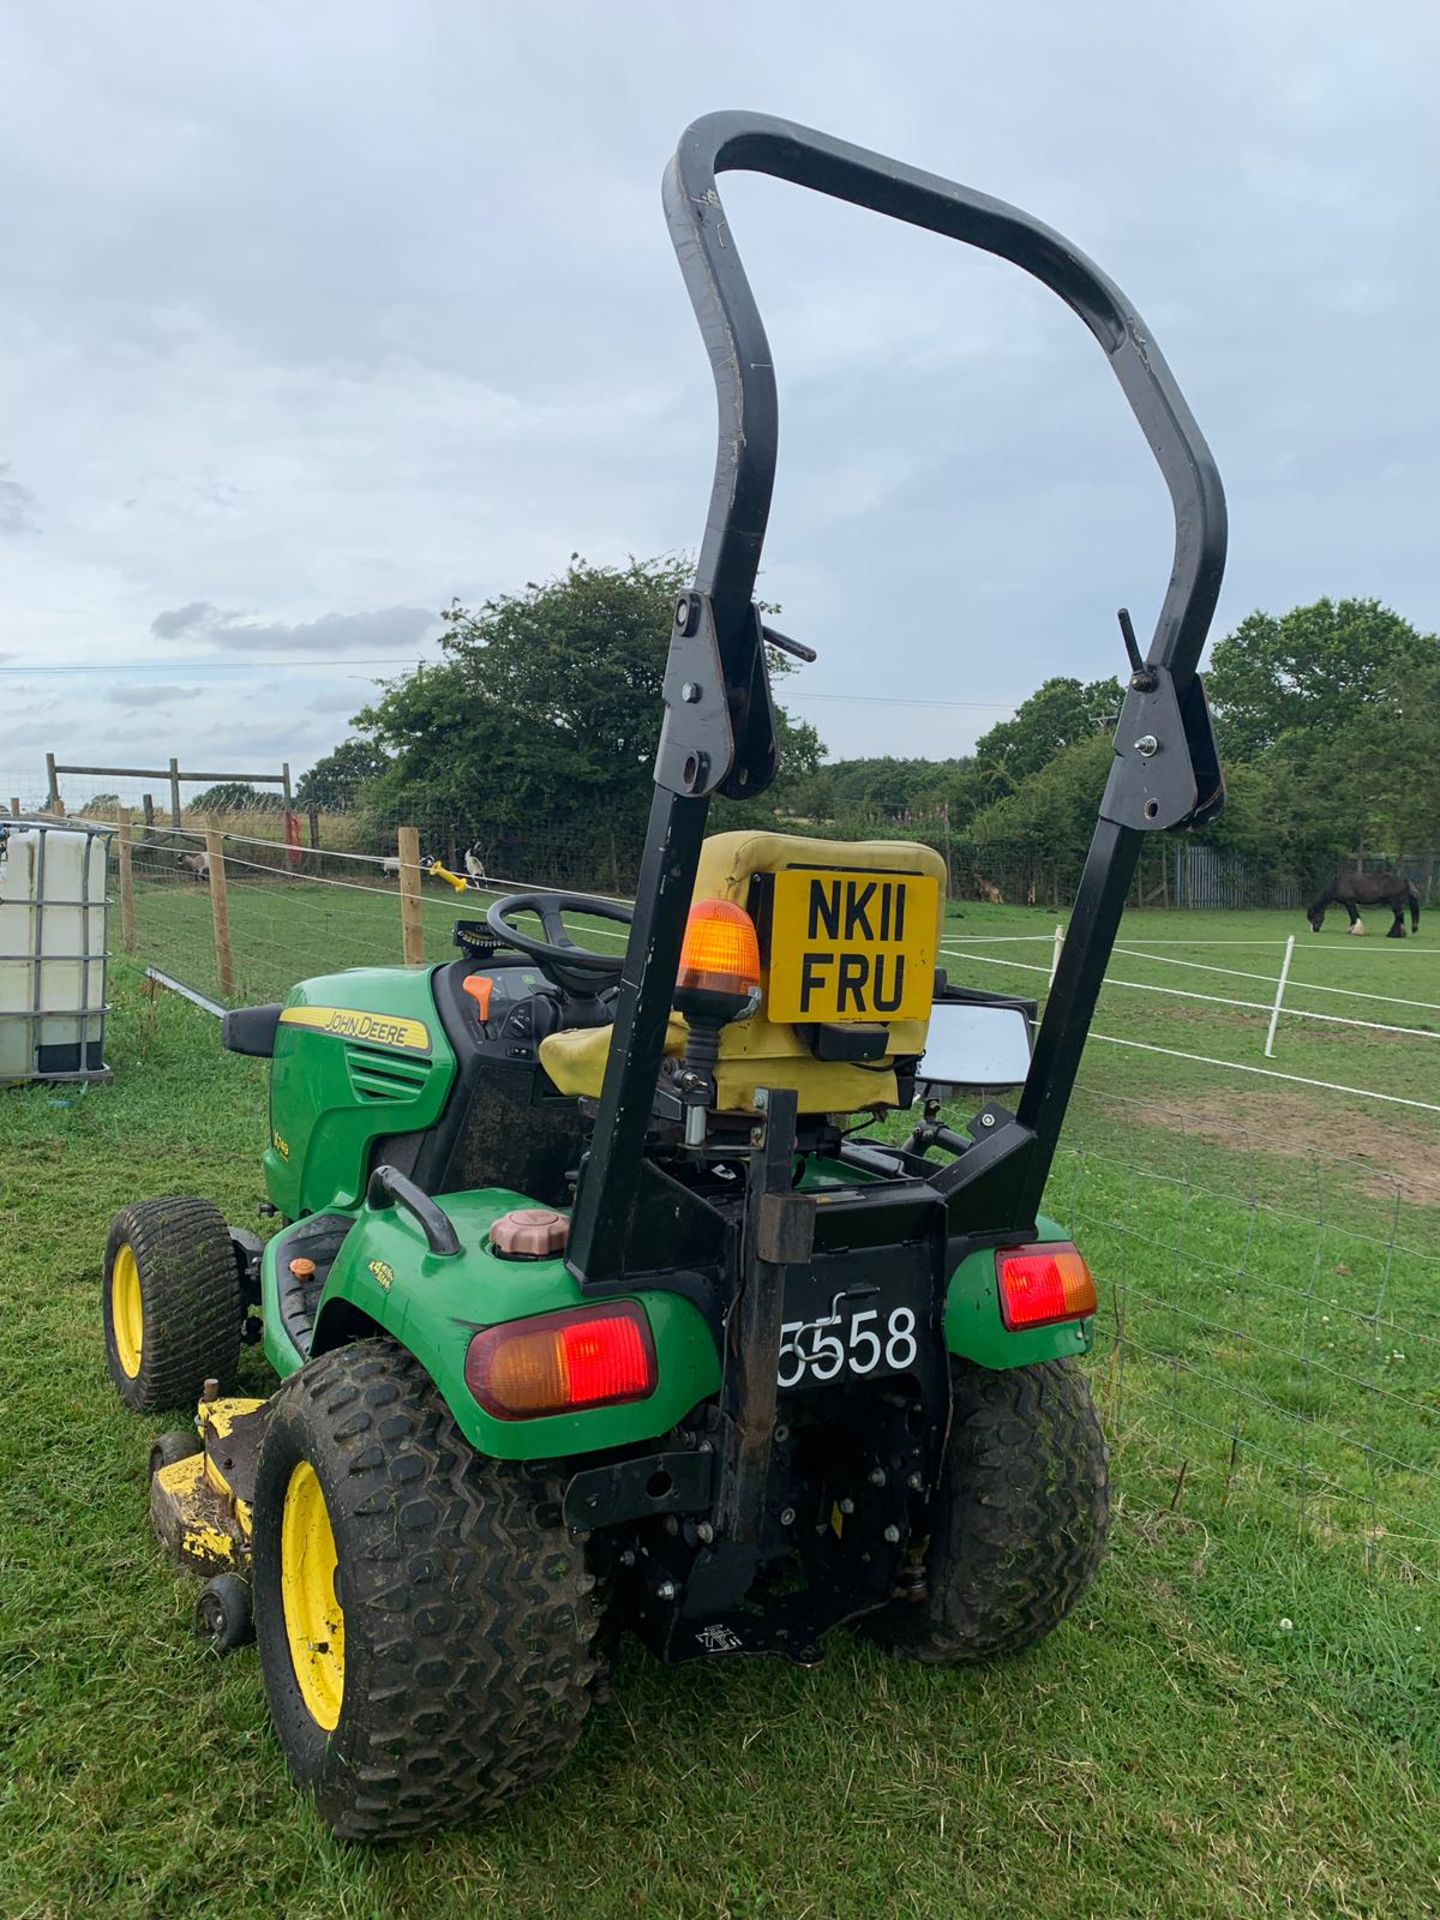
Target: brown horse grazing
{"x":1355,"y":890}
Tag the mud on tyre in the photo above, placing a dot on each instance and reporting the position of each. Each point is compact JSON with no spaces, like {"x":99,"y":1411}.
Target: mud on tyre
{"x":170,"y":1297}
{"x":424,"y":1619}
{"x":1020,"y":1517}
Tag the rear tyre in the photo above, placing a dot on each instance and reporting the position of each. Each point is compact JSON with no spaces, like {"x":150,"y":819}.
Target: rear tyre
{"x":1020,"y":1517}
{"x":424,"y":1619}
{"x":170,"y":1302}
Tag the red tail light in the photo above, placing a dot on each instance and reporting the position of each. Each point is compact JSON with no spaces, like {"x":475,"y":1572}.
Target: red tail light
{"x":563,"y":1362}
{"x":1040,"y":1285}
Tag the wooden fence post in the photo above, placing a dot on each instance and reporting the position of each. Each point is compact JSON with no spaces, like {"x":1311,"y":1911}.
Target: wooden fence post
{"x":220,"y":913}
{"x":123,"y":852}
{"x":412,"y":920}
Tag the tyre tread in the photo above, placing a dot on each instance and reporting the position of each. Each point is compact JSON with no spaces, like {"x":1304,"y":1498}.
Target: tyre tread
{"x":468,"y":1608}
{"x":191,"y":1295}
{"x":1022,"y":1517}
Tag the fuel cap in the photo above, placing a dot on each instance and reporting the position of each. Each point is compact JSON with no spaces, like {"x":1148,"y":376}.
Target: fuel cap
{"x":530,"y":1233}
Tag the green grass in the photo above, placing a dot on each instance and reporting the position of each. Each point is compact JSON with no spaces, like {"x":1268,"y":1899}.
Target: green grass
{"x":283,"y":931}
{"x":1192,"y":953}
{"x":1244,"y":1719}
{"x":1276,"y":1263}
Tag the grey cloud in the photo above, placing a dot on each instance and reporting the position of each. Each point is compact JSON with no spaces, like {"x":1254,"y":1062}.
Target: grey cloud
{"x":260,"y":743}
{"x":331,"y":633}
{"x":402,"y":627}
{"x":17,"y":504}
{"x":317,"y":379}
{"x":152,"y":696}
{"x":21,"y":727}
{"x":196,"y":613}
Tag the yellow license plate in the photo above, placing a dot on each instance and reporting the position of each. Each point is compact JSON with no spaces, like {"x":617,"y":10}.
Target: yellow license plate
{"x":852,"y":946}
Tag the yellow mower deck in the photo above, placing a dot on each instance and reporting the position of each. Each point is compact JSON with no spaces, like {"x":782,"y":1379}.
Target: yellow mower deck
{"x":200,"y":1506}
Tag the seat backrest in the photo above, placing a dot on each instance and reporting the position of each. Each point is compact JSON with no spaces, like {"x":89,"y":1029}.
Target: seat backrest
{"x":849,"y":936}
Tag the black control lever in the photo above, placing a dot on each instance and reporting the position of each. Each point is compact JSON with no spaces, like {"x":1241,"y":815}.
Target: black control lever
{"x":1142,"y":678}
{"x":389,"y":1187}
{"x":786,"y":645}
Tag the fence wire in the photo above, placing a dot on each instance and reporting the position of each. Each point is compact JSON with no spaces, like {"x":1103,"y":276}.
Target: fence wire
{"x":294,"y":911}
{"x":1270,"y":1325}
{"x":1270,"y":1318}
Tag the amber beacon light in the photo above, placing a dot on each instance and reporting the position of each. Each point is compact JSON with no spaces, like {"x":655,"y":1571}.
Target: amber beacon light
{"x":721,"y":954}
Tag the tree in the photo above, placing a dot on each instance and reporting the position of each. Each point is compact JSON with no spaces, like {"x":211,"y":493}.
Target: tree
{"x":545,"y":712}
{"x":452,"y":753}
{"x":1057,"y":715}
{"x":338,"y":780}
{"x":1316,"y":670}
{"x":1051,"y":815}
{"x":236,"y":796}
{"x":1372,"y":790}
{"x":866,"y":789}
{"x":1329,"y":725}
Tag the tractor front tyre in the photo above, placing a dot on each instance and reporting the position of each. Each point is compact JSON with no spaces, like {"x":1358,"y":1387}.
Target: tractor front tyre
{"x":424,"y":1618}
{"x":1019,"y":1522}
{"x":170,"y":1302}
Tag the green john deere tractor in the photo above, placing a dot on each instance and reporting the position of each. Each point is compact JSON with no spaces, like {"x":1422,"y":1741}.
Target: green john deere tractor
{"x":592,"y":1304}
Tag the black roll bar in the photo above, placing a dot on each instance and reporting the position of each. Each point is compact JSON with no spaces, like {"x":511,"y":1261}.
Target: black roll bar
{"x":745,"y":377}
{"x":1165,"y":774}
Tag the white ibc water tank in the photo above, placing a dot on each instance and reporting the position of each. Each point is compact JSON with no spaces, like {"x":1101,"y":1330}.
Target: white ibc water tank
{"x":52,"y":951}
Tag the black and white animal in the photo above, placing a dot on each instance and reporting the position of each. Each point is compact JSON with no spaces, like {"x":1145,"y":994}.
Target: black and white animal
{"x":197,"y":865}
{"x":390,"y":866}
{"x":1355,"y":890}
{"x":475,"y":864}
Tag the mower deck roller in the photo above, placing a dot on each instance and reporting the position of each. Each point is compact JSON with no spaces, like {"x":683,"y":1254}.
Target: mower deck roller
{"x":593,"y":1307}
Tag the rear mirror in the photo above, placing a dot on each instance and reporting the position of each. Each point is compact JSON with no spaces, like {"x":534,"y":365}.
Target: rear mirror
{"x":972,"y":1045}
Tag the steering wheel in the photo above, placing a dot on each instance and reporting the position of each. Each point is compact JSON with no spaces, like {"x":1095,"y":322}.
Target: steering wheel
{"x":571,"y":967}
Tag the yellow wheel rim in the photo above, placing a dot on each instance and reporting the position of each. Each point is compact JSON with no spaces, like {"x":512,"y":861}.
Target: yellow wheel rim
{"x":127,"y":1310}
{"x":314,"y":1618}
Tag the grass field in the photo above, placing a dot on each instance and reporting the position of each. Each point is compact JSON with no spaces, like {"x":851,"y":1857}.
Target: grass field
{"x":282,"y":932}
{"x":1164,"y":958}
{"x":1304,"y":1344}
{"x":1245,"y":1719}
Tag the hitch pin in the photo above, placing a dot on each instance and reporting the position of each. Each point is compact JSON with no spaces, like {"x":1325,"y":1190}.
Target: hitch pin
{"x":787,"y":645}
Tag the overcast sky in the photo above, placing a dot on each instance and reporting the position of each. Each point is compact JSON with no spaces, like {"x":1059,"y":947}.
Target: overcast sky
{"x":315,"y":317}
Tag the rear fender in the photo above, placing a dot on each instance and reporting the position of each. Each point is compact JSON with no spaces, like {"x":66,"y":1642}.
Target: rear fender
{"x":385,"y":1276}
{"x":975,"y":1331}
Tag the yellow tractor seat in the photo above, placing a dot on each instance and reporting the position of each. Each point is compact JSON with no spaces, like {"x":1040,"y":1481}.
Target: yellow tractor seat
{"x":830,"y":919}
